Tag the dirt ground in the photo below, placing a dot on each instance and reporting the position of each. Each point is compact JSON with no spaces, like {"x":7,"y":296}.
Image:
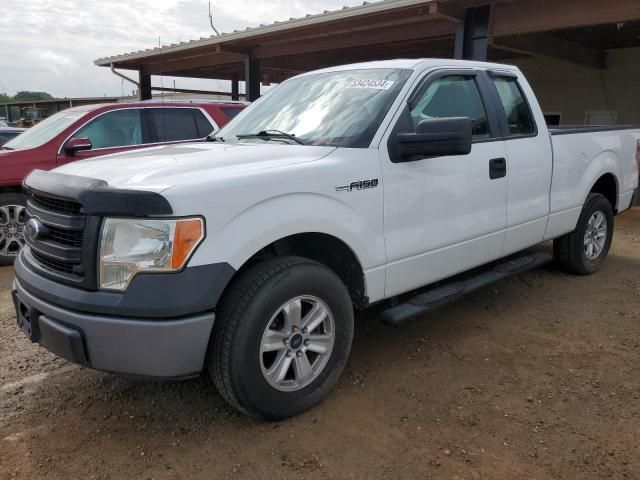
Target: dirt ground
{"x":534,"y":377}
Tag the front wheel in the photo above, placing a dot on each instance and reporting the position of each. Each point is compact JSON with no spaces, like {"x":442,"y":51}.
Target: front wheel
{"x":13,"y":212}
{"x":281,"y":337}
{"x":584,"y":250}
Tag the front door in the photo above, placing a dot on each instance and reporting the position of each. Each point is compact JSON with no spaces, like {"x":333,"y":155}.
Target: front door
{"x":444,"y":215}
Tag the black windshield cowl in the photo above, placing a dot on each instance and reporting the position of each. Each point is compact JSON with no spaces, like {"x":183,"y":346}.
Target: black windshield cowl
{"x":271,"y":135}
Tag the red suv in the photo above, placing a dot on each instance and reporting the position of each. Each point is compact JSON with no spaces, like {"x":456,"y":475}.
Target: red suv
{"x":90,"y":131}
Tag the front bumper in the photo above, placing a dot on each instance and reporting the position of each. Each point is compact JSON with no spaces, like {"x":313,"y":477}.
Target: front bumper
{"x":168,"y":348}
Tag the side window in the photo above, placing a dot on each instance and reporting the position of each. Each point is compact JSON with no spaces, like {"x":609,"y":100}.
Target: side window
{"x":118,"y":128}
{"x":516,"y":109}
{"x":453,"y":96}
{"x":173,"y":124}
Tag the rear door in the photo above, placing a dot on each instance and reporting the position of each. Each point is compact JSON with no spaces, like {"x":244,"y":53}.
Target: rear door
{"x":444,"y":215}
{"x":529,"y":159}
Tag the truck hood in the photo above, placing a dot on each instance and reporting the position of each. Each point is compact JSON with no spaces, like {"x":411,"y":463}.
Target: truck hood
{"x":160,"y":168}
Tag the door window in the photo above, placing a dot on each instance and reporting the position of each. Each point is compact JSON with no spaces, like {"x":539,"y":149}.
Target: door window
{"x":118,"y":128}
{"x":516,"y":109}
{"x":178,"y":124}
{"x":453,"y":96}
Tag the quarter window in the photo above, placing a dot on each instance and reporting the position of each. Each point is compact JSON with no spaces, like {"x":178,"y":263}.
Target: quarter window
{"x":516,"y":109}
{"x":118,"y":128}
{"x":453,"y":96}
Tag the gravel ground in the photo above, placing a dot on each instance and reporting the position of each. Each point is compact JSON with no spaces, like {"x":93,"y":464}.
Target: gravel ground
{"x":534,"y":377}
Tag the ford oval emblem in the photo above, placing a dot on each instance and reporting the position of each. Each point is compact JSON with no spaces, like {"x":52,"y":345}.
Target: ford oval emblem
{"x":33,"y":229}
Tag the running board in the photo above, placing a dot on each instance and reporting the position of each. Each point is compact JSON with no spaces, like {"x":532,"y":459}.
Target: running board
{"x":437,"y":297}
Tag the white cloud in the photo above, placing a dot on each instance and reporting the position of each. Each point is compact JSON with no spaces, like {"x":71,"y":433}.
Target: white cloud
{"x":50,"y":45}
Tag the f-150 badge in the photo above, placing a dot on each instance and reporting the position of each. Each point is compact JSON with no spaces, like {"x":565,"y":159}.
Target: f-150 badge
{"x":359,"y":185}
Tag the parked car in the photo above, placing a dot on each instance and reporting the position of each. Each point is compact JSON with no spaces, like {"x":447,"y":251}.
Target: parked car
{"x":9,"y":133}
{"x":339,"y":189}
{"x":94,"y":130}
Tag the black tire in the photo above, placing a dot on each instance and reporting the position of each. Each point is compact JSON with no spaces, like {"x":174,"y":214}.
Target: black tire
{"x":246,"y":310}
{"x":10,"y":246}
{"x":569,"y":250}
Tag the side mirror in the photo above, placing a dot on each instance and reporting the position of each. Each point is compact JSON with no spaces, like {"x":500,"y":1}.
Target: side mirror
{"x":436,"y":137}
{"x":76,"y":145}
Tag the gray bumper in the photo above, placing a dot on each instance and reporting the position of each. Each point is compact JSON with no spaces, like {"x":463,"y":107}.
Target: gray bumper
{"x":168,"y":348}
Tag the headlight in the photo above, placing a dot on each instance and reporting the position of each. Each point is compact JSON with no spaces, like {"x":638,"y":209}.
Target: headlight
{"x":129,"y":246}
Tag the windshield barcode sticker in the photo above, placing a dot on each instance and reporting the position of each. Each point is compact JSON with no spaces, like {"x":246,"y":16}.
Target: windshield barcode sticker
{"x":373,"y":84}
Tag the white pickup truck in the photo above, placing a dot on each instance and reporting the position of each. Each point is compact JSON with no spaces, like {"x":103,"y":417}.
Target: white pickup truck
{"x":340,"y":188}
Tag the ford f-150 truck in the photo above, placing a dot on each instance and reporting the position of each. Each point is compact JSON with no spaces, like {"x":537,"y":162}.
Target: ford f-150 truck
{"x":246,"y":256}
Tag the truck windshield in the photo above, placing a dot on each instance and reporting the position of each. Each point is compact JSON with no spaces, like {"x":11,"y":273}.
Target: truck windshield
{"x":44,"y":131}
{"x":341,"y":109}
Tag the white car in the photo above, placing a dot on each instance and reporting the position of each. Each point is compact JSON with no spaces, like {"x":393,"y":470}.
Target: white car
{"x":338,"y":189}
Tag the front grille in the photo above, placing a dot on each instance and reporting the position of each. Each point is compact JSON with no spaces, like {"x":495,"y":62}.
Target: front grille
{"x":70,"y":238}
{"x":58,"y":249}
{"x":58,"y":205}
{"x":53,"y":264}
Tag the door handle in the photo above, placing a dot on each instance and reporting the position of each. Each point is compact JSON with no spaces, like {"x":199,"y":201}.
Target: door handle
{"x":497,"y":168}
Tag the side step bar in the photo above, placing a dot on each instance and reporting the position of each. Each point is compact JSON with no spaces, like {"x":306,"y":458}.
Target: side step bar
{"x":437,"y":297}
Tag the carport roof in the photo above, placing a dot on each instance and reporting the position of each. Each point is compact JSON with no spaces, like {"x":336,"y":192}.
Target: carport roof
{"x":388,"y":29}
{"x":275,"y":27}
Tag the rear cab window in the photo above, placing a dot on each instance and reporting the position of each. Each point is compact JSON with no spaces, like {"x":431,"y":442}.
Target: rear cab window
{"x":516,"y":108}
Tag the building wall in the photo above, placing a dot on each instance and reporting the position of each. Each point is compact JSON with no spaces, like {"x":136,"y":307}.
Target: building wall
{"x":573,"y":90}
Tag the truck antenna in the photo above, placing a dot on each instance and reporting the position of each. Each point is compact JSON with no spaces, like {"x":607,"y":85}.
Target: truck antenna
{"x":211,"y":21}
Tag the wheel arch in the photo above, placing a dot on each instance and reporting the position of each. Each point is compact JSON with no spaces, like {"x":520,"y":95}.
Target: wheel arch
{"x":607,"y":186}
{"x":10,"y":189}
{"x":323,"y":248}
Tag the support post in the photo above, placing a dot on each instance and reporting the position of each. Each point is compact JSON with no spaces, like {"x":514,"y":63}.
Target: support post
{"x":144,"y":90}
{"x":7,"y":112}
{"x":252,"y":78}
{"x":235,"y":88}
{"x":472,"y":37}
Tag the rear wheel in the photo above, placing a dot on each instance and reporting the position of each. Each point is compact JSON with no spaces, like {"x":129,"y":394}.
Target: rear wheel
{"x":584,"y":250}
{"x":13,"y":213}
{"x":281,"y":337}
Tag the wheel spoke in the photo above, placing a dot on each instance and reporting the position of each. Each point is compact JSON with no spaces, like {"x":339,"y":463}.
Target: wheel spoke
{"x":292,"y":314}
{"x":302,"y":368}
{"x":315,"y":317}
{"x":279,"y":369}
{"x":273,"y":341}
{"x":4,"y":216}
{"x":320,"y":343}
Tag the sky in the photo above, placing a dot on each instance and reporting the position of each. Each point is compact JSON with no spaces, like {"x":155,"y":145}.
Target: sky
{"x":50,"y":45}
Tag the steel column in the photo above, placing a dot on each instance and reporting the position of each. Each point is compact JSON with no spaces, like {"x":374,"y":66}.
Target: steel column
{"x":235,"y":88}
{"x":144,"y":90}
{"x":252,"y":78}
{"x":472,"y":37}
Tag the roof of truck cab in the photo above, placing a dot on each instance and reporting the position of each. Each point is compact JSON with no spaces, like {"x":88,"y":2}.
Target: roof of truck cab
{"x":416,"y":64}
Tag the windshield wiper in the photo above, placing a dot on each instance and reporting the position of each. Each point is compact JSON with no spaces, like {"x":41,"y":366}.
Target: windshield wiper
{"x":271,"y":134}
{"x":7,"y":148}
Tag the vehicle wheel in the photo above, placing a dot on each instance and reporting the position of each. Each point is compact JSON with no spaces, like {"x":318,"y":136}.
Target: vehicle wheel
{"x":13,"y":212}
{"x":584,"y":250}
{"x":281,"y":337}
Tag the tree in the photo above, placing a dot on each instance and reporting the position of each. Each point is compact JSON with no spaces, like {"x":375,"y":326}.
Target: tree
{"x":4,"y":98}
{"x":27,"y":96}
